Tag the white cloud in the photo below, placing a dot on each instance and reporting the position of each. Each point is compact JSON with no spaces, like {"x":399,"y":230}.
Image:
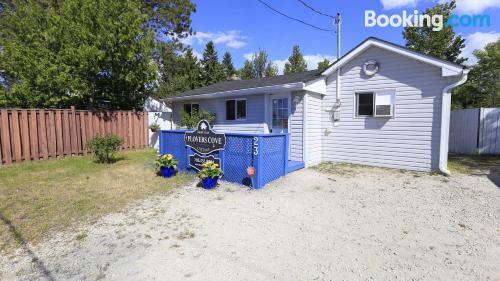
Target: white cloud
{"x":311,"y":60}
{"x":232,"y":38}
{"x":248,"y":56}
{"x":473,"y":7}
{"x":476,"y":41}
{"x":392,"y":4}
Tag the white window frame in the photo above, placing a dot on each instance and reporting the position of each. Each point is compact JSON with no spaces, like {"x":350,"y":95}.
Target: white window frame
{"x":191,"y":107}
{"x":236,"y":109}
{"x":374,"y":93}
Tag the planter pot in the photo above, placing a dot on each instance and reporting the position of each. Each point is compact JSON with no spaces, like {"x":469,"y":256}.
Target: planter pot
{"x":209,"y":182}
{"x":167,"y":172}
{"x":154,"y":130}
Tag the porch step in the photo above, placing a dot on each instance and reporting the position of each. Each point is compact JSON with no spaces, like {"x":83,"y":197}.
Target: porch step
{"x":294,"y":166}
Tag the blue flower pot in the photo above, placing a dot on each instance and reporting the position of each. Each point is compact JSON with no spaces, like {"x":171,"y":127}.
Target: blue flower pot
{"x":167,"y":172}
{"x":209,"y":182}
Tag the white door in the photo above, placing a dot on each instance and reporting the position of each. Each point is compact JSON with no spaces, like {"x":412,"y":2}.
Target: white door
{"x":280,"y":111}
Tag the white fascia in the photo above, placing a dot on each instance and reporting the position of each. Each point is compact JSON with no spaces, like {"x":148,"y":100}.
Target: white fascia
{"x":316,"y":86}
{"x":445,"y":122}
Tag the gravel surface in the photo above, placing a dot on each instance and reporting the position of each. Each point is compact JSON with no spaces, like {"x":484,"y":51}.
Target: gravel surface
{"x":341,"y":223}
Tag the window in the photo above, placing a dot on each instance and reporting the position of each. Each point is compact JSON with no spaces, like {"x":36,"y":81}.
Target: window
{"x":280,"y":113}
{"x":190,"y":108}
{"x":377,"y":104}
{"x":236,"y":109}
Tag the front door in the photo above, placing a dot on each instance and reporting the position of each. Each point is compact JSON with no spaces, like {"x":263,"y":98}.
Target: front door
{"x":280,"y":109}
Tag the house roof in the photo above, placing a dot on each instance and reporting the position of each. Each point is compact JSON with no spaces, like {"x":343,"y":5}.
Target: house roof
{"x":234,"y":85}
{"x":448,"y":68}
{"x":298,"y":80}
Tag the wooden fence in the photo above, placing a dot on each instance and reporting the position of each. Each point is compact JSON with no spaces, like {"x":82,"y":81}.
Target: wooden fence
{"x":30,"y":134}
{"x":475,"y":131}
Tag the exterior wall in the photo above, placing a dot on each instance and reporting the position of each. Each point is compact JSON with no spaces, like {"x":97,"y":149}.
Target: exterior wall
{"x":253,"y":124}
{"x":313,"y":129}
{"x":410,"y":139}
{"x":296,"y":127}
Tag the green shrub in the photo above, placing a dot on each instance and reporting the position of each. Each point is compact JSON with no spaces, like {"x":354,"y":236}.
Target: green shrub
{"x":191,"y":121}
{"x":104,"y":147}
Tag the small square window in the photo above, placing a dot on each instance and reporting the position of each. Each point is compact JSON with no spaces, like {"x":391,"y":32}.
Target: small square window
{"x":191,"y":108}
{"x":364,"y":104}
{"x":236,"y":109}
{"x":377,"y":104}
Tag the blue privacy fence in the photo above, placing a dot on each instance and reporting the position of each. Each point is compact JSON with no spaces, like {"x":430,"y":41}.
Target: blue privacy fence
{"x":267,"y":153}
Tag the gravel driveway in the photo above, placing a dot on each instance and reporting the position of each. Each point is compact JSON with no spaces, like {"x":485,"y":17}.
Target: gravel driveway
{"x":347,"y":222}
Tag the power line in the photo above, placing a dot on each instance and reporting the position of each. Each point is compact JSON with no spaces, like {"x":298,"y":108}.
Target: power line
{"x":292,"y":18}
{"x":317,"y":11}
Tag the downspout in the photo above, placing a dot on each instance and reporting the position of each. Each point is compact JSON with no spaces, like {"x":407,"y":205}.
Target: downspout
{"x":445,"y":122}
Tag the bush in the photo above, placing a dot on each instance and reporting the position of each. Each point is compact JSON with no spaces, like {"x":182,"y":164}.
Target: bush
{"x":104,"y":147}
{"x":191,"y":121}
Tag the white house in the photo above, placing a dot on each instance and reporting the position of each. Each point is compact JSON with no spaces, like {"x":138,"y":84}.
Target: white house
{"x":380,"y":104}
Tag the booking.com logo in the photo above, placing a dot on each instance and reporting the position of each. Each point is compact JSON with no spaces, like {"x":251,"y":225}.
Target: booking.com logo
{"x":418,"y":20}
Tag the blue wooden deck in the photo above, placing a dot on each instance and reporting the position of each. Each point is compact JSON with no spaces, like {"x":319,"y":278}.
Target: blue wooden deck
{"x":294,"y":166}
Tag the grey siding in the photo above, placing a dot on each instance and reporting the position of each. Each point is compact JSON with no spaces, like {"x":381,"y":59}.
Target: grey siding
{"x":296,"y":127}
{"x":313,"y":130}
{"x":410,"y":139}
{"x":254,"y":122}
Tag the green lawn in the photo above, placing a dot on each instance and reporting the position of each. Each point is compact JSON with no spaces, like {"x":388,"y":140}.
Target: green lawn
{"x":40,"y":197}
{"x":474,"y":164}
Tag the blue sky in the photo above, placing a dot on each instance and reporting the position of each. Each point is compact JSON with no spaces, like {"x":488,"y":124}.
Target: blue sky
{"x":243,"y":26}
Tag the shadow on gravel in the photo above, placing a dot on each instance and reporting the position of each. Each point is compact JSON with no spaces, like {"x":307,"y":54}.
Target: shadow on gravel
{"x":40,"y":266}
{"x":477,"y":165}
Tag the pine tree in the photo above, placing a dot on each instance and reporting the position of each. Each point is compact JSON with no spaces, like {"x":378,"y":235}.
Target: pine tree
{"x":296,"y":62}
{"x":323,"y":64}
{"x":247,"y":72}
{"x":212,"y":69}
{"x":227,"y":65}
{"x":192,"y":70}
{"x":259,"y":62}
{"x":444,"y":44}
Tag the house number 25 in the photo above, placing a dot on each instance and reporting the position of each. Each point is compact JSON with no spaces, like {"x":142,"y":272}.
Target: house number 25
{"x":256,"y":146}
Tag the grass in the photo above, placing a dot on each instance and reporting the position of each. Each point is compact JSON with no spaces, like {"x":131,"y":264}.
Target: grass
{"x":473,"y":164}
{"x":41,"y":197}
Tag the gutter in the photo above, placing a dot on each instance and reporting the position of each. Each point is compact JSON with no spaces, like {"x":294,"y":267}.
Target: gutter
{"x":445,"y":122}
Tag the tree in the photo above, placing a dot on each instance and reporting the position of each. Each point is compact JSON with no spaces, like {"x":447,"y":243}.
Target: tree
{"x":227,"y":65}
{"x":55,"y":55}
{"x":271,"y":70}
{"x":259,"y":66}
{"x":212,"y":70}
{"x":247,"y":71}
{"x":323,"y":64}
{"x":482,"y":88}
{"x":296,"y":62}
{"x":444,"y":44}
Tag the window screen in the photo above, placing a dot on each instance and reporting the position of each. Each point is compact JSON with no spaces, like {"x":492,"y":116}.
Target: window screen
{"x":241,"y":109}
{"x":230,"y":110}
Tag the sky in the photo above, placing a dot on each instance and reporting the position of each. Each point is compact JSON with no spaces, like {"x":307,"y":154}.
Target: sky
{"x":242,"y":27}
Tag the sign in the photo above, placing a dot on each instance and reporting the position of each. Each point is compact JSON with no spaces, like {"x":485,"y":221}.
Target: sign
{"x":203,"y":140}
{"x":196,"y":161}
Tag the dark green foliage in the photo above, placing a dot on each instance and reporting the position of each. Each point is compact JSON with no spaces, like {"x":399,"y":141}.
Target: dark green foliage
{"x":190,"y":121}
{"x":444,"y":44}
{"x":247,"y":71}
{"x":87,"y":53}
{"x":212,"y":69}
{"x":323,"y":64}
{"x":296,"y":62}
{"x":482,"y":88}
{"x":260,"y":66}
{"x":172,"y":18}
{"x":178,"y":73}
{"x":227,"y":65}
{"x":104,"y":147}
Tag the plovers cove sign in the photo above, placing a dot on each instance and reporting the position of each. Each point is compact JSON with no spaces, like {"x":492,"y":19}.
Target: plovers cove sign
{"x":203,"y":140}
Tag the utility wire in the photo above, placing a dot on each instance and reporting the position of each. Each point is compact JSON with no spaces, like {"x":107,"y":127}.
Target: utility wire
{"x":317,"y":11}
{"x":292,"y":18}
